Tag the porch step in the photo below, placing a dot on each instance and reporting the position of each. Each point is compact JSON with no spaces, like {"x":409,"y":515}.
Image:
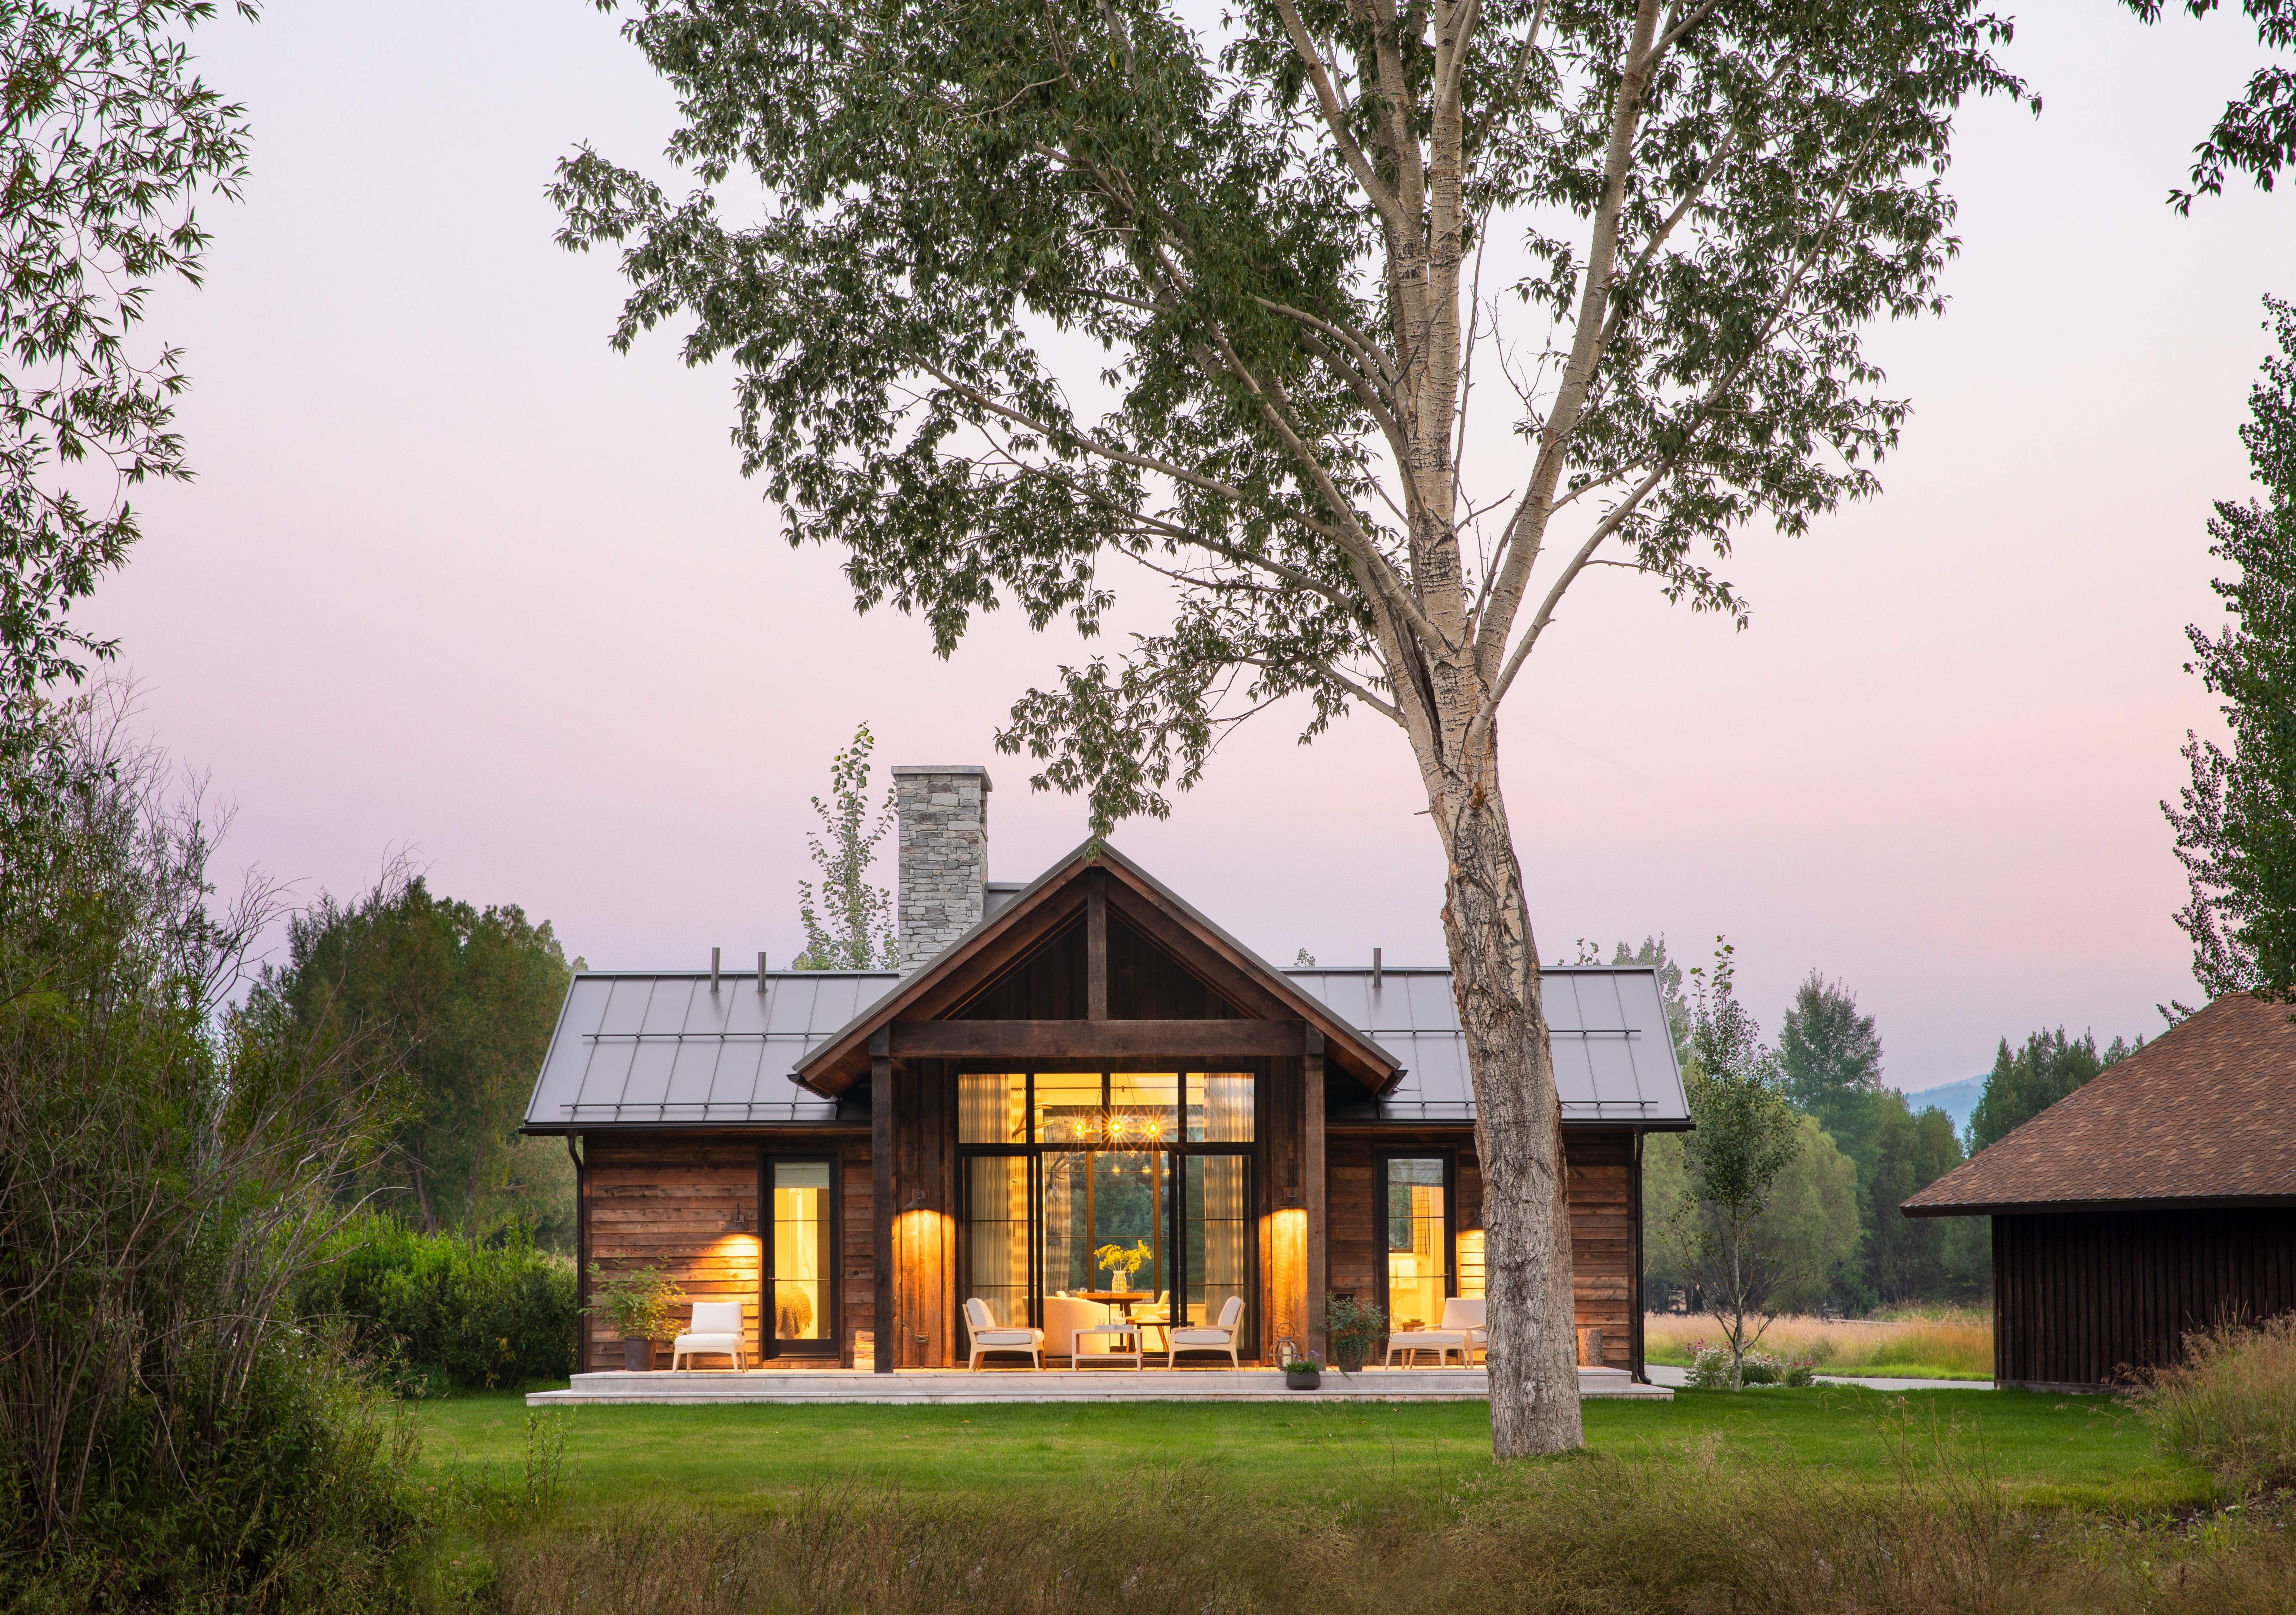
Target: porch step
{"x":943,"y":1385}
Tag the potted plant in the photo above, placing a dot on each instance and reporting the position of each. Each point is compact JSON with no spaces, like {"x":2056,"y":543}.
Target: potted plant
{"x":1353,"y":1327}
{"x":636,"y":1303}
{"x":1303,"y":1374}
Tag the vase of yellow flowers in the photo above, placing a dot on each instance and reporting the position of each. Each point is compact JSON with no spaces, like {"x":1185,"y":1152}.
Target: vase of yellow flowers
{"x":1121,"y":1264}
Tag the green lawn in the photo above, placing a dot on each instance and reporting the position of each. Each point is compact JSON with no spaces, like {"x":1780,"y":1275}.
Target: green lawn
{"x":2081,"y":1451}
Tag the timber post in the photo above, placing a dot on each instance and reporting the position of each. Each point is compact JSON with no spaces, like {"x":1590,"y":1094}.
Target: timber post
{"x":880,"y":1192}
{"x":1311,"y":1167}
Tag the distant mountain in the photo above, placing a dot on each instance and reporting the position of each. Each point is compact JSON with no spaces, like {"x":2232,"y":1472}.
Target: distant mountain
{"x":1957,"y":1100}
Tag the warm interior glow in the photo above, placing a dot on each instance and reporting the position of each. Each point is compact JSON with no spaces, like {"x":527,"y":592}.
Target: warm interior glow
{"x":1471,"y":1261}
{"x":800,"y":1213}
{"x":1416,"y":1249}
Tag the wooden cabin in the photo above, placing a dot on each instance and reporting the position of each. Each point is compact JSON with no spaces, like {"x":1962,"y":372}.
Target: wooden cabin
{"x":2153,"y":1201}
{"x":1077,"y":1084}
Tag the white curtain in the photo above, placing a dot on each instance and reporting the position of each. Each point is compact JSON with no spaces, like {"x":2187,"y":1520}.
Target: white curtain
{"x":997,"y":1237}
{"x":1228,"y":1108}
{"x":991,"y":1108}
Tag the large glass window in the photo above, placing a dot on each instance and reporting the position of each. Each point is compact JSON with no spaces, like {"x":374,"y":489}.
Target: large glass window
{"x":1418,"y":1243}
{"x":1219,"y":1107}
{"x":992,"y":1108}
{"x":1131,"y":1188}
{"x":803,"y":1264}
{"x":1141,"y":1108}
{"x":1069,"y":1107}
{"x":1470,"y":1262}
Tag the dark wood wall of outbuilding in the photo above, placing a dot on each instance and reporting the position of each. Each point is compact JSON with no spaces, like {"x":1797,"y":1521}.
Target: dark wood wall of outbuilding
{"x":1600,"y":1185}
{"x":2078,"y":1295}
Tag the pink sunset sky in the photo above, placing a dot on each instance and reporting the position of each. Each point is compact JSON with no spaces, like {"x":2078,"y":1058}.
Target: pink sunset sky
{"x":458,"y":580}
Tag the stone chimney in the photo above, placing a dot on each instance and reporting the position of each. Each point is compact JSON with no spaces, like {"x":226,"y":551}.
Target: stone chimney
{"x":944,"y":823}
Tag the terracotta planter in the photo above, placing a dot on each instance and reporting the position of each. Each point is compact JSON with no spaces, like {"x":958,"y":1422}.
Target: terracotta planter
{"x":1302,"y":1380}
{"x":637,"y":1357}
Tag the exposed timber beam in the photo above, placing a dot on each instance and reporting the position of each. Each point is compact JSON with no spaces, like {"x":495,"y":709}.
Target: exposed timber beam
{"x":1081,"y":1039}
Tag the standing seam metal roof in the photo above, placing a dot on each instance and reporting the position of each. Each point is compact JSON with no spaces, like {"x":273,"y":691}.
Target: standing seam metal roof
{"x":655,"y":1049}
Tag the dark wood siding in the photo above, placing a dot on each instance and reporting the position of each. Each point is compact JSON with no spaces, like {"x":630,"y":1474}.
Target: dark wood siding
{"x":2079,"y":1296}
{"x":1600,"y":1168}
{"x":1145,"y":982}
{"x":924,"y":1214}
{"x":662,"y":1199}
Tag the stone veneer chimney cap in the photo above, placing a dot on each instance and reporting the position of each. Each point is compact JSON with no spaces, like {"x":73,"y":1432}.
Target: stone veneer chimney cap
{"x":901,"y":768}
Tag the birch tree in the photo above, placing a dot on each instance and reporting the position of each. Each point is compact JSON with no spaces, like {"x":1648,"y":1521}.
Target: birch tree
{"x":1315,"y":244}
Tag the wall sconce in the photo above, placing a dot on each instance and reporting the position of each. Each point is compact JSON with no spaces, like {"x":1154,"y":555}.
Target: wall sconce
{"x":739,"y":1222}
{"x":916,"y":1201}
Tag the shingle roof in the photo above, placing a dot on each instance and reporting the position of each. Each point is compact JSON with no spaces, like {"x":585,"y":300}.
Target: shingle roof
{"x":656,"y":1049}
{"x":2204,"y":1115}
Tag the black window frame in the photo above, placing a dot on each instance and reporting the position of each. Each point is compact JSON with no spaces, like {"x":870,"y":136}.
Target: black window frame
{"x":1449,"y":1156}
{"x":1176,"y":1231}
{"x":832,"y":1345}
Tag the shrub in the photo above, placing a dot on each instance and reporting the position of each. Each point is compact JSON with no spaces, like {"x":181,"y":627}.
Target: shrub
{"x":2230,"y":1406}
{"x":440,"y":1307}
{"x":1353,"y":1327}
{"x":1709,"y":1369}
{"x":171,"y":1169}
{"x":636,"y":1303}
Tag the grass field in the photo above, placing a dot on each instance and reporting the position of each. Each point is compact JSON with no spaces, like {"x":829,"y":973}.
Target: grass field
{"x":2085,"y":1451}
{"x":1829,"y":1501}
{"x":1942,"y":1345}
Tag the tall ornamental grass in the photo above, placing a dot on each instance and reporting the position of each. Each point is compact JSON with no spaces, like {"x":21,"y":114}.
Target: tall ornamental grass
{"x":1723,"y":1529}
{"x":1947,"y":1345}
{"x":2230,"y":1405}
{"x":445,"y":1309}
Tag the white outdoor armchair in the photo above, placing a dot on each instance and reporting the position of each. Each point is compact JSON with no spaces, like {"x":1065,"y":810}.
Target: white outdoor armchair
{"x":717,"y":1329}
{"x":989,"y":1335}
{"x":1461,"y":1332}
{"x":1208,"y":1336}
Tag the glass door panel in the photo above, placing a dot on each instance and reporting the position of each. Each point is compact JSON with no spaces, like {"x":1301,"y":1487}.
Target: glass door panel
{"x":1418,"y":1250}
{"x":997,"y":1235}
{"x":801,"y":1262}
{"x":1218,"y":1237}
{"x":1100,"y":1205}
{"x":1127,"y":1227}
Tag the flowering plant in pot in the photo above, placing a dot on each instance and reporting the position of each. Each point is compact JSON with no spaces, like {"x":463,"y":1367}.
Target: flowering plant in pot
{"x":636,"y":1303}
{"x":1304,"y":1374}
{"x":1353,"y":1327}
